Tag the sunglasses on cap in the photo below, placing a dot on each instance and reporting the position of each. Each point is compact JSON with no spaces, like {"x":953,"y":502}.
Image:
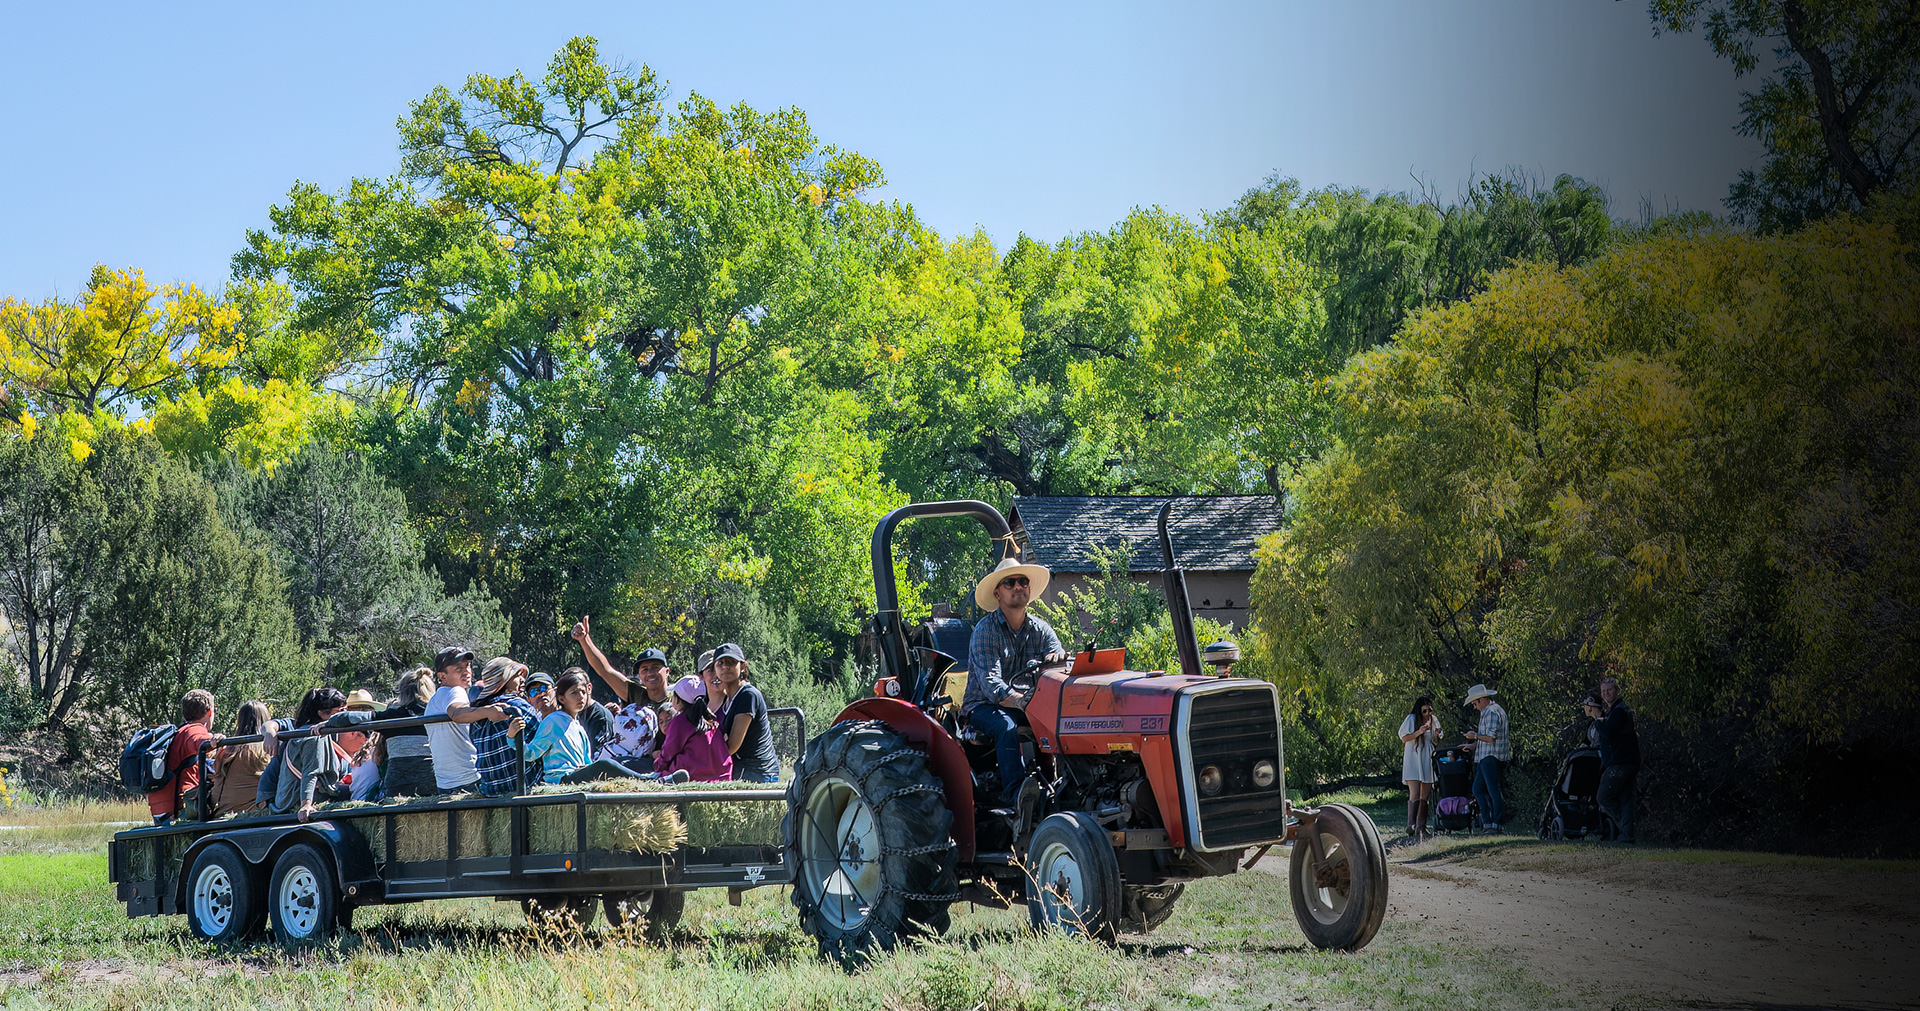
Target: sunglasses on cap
{"x":1014,"y":581}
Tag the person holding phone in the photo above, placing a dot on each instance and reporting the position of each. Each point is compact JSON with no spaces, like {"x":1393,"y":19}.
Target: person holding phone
{"x":1419,"y":737}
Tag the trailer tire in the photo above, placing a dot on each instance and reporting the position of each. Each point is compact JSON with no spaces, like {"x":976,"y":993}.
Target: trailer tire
{"x":660,"y":909}
{"x":562,"y":912}
{"x":869,"y":836}
{"x":1344,"y":911}
{"x":223,"y":901}
{"x":303,"y":901}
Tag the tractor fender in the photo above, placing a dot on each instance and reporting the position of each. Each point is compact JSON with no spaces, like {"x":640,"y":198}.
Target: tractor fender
{"x":944,"y":756}
{"x":352,"y":859}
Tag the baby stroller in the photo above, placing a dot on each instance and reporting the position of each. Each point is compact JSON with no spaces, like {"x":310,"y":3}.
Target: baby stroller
{"x":1572,"y":811}
{"x":1453,"y":804}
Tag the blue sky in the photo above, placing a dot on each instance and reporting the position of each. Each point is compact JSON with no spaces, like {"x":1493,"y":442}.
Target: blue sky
{"x":153,"y":137}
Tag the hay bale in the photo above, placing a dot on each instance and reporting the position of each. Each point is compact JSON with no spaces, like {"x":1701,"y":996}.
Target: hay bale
{"x":420,"y":837}
{"x":734,"y":823}
{"x":550,"y":828}
{"x":636,"y":828}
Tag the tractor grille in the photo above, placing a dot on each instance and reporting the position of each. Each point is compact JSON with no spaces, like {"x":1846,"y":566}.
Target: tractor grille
{"x":1232,"y":730}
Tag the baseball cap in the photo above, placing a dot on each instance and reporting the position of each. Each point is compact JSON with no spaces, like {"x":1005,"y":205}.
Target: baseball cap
{"x":650,"y":654}
{"x":539,"y":679}
{"x":730,"y":650}
{"x":706,"y":660}
{"x":690,"y":688}
{"x":450,"y":656}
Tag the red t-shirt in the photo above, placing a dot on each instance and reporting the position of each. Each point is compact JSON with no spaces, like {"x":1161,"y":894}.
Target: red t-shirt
{"x":186,"y":743}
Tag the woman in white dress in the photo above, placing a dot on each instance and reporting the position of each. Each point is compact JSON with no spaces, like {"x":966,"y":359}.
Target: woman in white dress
{"x":1419,"y":736}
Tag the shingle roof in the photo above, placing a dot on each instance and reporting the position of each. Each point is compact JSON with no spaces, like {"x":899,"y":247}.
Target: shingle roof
{"x":1213,"y":533}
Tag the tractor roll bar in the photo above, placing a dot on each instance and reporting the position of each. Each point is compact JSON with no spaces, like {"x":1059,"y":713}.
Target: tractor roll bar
{"x":1174,"y":582}
{"x":889,"y":630}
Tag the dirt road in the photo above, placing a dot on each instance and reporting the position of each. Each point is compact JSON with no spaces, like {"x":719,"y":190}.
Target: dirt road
{"x":1607,"y":926}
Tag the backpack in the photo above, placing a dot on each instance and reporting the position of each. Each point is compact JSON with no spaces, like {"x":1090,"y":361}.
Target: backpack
{"x":143,"y":764}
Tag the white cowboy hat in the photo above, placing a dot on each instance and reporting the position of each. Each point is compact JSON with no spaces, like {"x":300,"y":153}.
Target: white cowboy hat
{"x":363,"y":697}
{"x":1037,"y":577}
{"x":1478,"y":692}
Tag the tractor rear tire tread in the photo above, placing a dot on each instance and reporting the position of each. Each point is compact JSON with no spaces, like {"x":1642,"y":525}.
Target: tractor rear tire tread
{"x":916,"y":828}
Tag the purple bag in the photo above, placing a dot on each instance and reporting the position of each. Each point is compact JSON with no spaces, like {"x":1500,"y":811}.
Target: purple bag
{"x":1455,"y":805}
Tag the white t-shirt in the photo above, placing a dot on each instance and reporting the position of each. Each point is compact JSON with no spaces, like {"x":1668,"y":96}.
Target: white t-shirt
{"x":452,"y":749}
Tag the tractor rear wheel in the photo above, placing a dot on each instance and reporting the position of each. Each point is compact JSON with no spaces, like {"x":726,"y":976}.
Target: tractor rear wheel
{"x":1340,"y":902}
{"x":869,"y":836}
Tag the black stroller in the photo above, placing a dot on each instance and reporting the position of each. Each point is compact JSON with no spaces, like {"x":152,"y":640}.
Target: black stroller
{"x":1572,"y":811}
{"x":1454,"y":808}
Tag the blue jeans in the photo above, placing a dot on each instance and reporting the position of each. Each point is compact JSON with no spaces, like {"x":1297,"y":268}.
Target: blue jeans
{"x":1489,"y":783}
{"x":997,"y":724}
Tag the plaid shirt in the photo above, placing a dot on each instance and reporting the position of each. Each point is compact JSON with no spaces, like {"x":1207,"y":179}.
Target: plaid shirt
{"x":1493,"y":723}
{"x":996,"y":651}
{"x":493,"y":750}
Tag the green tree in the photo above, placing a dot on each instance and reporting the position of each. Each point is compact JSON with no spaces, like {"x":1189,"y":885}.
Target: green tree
{"x":123,"y":587}
{"x":1838,"y":107}
{"x":360,"y":594}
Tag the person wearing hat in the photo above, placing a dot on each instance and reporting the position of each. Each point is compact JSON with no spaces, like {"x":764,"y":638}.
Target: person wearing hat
{"x":1004,"y":642}
{"x":494,"y":741}
{"x":743,"y":716}
{"x":694,"y":744}
{"x":452,"y":742}
{"x":361,"y":700}
{"x":650,"y":671}
{"x":1492,"y":750}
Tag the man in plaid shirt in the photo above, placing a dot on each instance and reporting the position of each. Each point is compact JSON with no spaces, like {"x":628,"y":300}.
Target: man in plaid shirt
{"x":1493,"y":749}
{"x":494,"y":750}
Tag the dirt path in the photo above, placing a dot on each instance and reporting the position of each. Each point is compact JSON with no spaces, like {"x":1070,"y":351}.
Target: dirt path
{"x":1604,"y":926}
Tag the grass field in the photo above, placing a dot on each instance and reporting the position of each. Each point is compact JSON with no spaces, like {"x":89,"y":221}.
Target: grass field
{"x":65,"y":943}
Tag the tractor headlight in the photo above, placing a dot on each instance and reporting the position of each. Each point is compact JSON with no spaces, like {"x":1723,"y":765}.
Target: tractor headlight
{"x":1211,"y":781}
{"x":1263,"y":774}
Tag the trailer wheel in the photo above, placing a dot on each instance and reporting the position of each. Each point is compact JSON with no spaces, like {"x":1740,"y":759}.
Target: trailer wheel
{"x":222,"y":906}
{"x":1073,"y":881}
{"x":1149,"y":905}
{"x":660,"y":909}
{"x":303,"y":901}
{"x":1340,"y":903}
{"x":563,"y":912}
{"x":869,"y":836}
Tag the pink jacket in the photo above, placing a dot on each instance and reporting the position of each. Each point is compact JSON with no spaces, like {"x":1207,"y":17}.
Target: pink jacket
{"x":703,"y":753}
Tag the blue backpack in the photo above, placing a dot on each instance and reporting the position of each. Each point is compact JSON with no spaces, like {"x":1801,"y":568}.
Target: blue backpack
{"x":143,"y":764}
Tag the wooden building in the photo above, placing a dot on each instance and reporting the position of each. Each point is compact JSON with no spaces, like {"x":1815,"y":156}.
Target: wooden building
{"x":1213,"y":535}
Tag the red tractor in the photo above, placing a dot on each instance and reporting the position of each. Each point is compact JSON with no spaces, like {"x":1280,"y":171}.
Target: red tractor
{"x":1148,"y":780}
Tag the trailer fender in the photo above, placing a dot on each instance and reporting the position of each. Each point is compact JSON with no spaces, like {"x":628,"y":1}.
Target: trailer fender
{"x":352,"y":859}
{"x":944,"y":756}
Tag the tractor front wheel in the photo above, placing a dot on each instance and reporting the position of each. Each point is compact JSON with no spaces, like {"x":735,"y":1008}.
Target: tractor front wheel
{"x":869,"y":836}
{"x":1340,"y":899}
{"x":1073,"y":877}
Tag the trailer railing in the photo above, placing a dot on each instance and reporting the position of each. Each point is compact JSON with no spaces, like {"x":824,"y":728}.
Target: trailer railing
{"x":796,"y":716}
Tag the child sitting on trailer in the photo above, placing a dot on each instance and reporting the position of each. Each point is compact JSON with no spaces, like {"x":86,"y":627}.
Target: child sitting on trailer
{"x":562,"y":745}
{"x":695,"y":745}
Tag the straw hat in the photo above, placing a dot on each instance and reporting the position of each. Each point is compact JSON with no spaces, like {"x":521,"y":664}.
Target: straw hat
{"x":362,"y":697}
{"x":1478,"y":692}
{"x":1037,"y":577}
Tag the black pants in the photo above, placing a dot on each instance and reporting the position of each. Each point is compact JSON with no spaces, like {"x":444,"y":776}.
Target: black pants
{"x":1615,"y":798}
{"x":604,"y":768}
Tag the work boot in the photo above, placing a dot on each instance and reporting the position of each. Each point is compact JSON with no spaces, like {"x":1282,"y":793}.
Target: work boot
{"x":1026,"y":801}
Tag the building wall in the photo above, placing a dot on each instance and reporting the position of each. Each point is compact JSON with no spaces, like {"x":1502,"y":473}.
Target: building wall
{"x":1218,"y":596}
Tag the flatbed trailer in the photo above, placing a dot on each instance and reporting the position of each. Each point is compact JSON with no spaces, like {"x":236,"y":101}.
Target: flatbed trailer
{"x":560,"y":854}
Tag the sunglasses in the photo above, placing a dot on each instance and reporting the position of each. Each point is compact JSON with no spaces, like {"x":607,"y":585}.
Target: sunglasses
{"x":1014,"y":581}
{"x":537,"y":690}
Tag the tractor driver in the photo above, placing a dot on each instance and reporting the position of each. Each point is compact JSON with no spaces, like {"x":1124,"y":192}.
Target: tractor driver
{"x":1003,"y":643}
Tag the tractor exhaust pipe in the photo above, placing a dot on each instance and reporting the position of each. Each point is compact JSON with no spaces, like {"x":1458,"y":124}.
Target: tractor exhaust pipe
{"x":1174,"y":582}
